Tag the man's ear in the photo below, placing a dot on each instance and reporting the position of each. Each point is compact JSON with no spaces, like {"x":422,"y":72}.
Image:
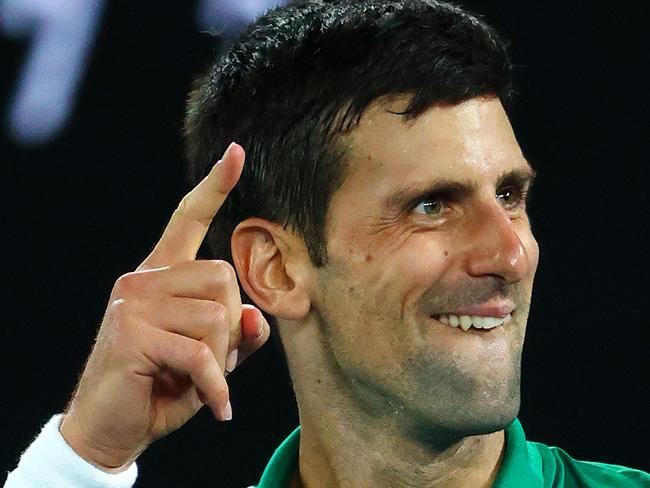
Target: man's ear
{"x":273,"y":267}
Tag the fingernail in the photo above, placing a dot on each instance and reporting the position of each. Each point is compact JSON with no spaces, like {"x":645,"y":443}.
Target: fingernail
{"x":231,"y":360}
{"x":225,"y":155}
{"x":260,"y":324}
{"x":226,"y":413}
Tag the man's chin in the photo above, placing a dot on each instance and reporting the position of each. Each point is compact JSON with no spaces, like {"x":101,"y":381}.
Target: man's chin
{"x":466,"y":421}
{"x":488,"y":422}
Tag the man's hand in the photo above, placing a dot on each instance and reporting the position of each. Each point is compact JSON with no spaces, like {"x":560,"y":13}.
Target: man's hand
{"x":172,"y":331}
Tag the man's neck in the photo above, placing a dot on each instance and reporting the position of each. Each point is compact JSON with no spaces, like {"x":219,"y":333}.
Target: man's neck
{"x":335,"y":454}
{"x":351,"y":439}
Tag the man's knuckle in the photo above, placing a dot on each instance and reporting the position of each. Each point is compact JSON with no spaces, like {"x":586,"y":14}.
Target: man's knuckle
{"x":186,"y":211}
{"x":118,"y":310}
{"x":182,"y":207}
{"x":200,"y":357}
{"x":218,"y":313}
{"x":223,"y":272}
{"x":125,"y":284}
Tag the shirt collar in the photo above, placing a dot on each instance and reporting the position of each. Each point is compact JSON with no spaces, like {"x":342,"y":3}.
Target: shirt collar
{"x":521,"y":464}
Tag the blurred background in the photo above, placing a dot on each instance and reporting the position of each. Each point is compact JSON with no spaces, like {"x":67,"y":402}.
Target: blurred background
{"x":92,"y":95}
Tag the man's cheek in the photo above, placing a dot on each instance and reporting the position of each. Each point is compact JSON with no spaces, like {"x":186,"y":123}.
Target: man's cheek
{"x":398,"y":282}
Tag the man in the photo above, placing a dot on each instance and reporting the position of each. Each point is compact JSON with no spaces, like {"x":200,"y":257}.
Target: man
{"x":380,"y":219}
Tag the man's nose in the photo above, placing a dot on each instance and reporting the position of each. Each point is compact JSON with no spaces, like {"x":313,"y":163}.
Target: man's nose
{"x":496,"y":248}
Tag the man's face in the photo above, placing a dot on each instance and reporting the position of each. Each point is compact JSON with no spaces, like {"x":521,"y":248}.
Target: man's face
{"x":430,"y":223}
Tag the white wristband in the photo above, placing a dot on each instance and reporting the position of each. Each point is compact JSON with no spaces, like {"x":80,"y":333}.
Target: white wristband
{"x":49,"y":462}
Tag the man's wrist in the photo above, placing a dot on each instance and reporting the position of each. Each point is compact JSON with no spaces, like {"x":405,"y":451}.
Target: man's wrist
{"x":109,"y":461}
{"x":51,"y":462}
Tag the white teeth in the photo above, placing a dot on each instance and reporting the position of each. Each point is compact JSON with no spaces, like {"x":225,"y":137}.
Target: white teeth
{"x":476,"y":321}
{"x":491,"y":322}
{"x":465,"y":322}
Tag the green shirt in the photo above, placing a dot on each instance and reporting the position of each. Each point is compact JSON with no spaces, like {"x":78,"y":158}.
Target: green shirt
{"x":525,"y":465}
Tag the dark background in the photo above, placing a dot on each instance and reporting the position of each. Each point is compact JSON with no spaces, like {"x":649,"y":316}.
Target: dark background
{"x":83,"y":209}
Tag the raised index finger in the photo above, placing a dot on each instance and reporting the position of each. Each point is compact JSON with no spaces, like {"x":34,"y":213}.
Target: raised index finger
{"x":190,"y":221}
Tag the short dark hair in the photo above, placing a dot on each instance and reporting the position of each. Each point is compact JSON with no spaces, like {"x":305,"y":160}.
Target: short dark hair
{"x":303,"y":74}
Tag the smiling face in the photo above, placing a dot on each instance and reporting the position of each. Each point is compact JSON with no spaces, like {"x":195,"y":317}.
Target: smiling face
{"x":429,"y":225}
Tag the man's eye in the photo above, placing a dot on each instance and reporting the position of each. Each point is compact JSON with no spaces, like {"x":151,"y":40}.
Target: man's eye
{"x":512,"y":198}
{"x":429,"y":207}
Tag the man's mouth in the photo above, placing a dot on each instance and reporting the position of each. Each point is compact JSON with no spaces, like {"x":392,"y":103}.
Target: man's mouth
{"x":466,"y":322}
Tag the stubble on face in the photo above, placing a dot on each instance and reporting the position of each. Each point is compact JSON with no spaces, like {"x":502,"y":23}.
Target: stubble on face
{"x":388,"y":273}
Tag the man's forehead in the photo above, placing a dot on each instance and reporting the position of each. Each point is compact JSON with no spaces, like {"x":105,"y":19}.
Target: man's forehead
{"x":461,"y":141}
{"x":395,"y":107}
